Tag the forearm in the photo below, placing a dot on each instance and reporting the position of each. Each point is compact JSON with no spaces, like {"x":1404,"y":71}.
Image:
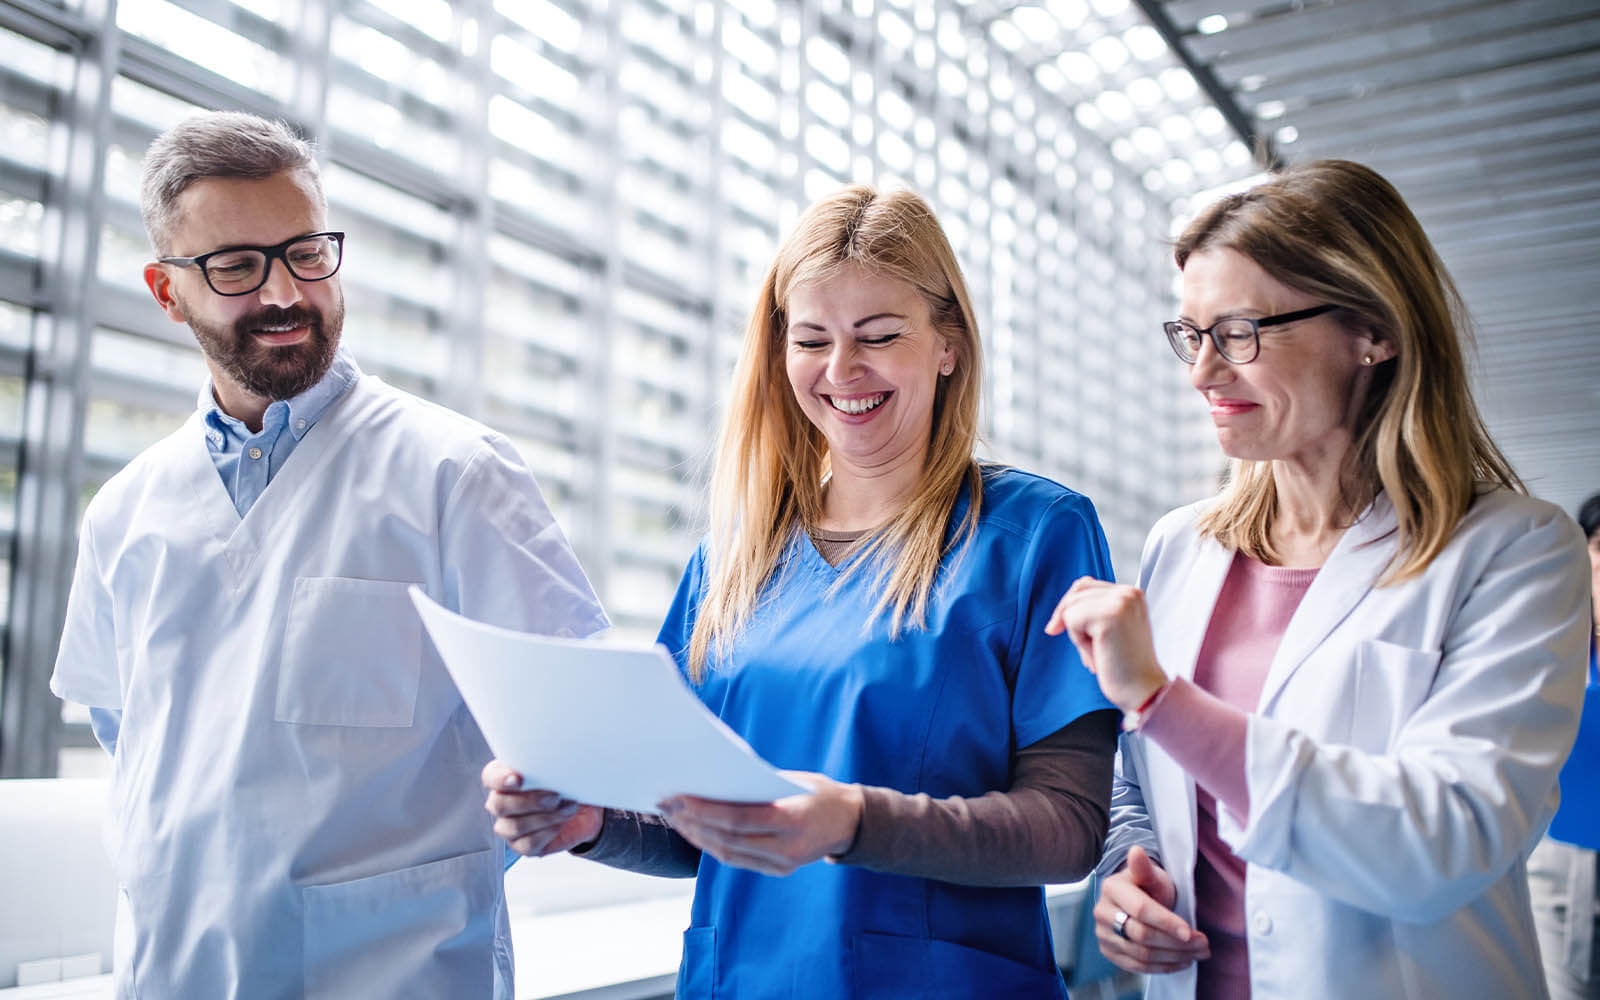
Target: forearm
{"x":1207,"y":737}
{"x":638,"y":842}
{"x":1049,"y":826}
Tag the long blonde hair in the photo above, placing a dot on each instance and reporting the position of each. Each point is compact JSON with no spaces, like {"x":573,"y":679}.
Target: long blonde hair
{"x":772,"y":464}
{"x":1338,"y":231}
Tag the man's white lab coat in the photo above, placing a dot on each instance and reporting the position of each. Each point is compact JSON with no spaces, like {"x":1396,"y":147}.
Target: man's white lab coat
{"x":296,"y":808}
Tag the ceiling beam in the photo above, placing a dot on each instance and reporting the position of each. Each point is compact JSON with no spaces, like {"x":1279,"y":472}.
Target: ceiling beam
{"x":1243,"y":125}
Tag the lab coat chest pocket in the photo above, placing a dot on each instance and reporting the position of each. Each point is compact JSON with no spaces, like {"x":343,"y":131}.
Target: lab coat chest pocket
{"x":352,"y":654}
{"x":1390,"y":682}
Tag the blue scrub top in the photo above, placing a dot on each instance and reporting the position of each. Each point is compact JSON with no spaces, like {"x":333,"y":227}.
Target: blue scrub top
{"x":1578,"y":820}
{"x":938,"y":711}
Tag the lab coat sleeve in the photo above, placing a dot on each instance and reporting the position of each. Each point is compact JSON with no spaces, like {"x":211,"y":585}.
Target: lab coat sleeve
{"x":1420,"y":830}
{"x":505,"y":559}
{"x":86,"y":661}
{"x":1130,"y":819}
{"x":1050,"y":685}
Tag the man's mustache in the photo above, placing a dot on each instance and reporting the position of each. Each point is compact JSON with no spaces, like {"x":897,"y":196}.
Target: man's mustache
{"x":277,"y":316}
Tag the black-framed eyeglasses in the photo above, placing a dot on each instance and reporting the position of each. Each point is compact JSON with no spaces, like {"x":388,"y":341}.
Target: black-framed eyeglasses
{"x":1237,"y":339}
{"x":242,"y":270}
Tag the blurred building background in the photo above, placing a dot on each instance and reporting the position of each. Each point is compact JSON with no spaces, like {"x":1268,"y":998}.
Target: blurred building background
{"x":559,"y":211}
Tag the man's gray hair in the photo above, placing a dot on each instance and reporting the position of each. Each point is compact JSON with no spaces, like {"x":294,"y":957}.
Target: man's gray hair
{"x":215,"y":144}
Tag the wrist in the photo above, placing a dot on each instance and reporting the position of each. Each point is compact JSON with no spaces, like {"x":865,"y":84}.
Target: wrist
{"x":1135,"y":717}
{"x":855,"y":807}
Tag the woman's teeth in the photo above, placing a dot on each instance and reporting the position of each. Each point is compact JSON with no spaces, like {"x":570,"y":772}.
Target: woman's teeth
{"x":858,"y":405}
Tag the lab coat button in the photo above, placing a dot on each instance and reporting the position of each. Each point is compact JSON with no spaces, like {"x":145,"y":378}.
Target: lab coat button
{"x":1263,"y":924}
{"x":255,"y":453}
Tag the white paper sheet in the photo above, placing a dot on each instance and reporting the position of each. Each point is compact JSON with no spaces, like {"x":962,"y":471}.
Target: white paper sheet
{"x":599,"y":721}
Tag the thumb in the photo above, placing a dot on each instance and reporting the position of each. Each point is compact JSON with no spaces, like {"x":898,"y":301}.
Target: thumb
{"x":1150,"y":877}
{"x":1141,"y":868}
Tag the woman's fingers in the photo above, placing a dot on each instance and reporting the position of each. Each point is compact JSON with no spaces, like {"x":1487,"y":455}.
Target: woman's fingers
{"x":1155,"y":923}
{"x":1138,"y":933}
{"x":497,"y":776}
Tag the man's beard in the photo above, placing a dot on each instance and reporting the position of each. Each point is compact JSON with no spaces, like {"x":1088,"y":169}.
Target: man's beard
{"x":271,"y":372}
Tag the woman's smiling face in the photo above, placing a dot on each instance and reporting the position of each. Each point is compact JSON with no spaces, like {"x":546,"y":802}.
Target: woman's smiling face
{"x":864,"y":361}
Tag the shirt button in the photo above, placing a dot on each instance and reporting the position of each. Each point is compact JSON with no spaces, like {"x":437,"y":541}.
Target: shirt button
{"x":1263,"y":924}
{"x":255,"y":453}
{"x":300,"y":425}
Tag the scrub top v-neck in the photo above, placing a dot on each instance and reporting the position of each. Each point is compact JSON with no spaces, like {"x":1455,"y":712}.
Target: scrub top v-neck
{"x":938,"y":711}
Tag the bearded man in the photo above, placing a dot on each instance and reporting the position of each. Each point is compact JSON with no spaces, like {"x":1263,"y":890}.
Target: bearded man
{"x":294,"y":797}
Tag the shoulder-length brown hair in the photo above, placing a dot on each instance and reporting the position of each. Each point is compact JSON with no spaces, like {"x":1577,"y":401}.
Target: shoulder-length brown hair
{"x":772,"y":464}
{"x":1338,"y":231}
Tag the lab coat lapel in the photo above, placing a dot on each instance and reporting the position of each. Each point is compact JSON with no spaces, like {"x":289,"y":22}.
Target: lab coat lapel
{"x":243,"y":539}
{"x":1349,"y":574}
{"x":1180,"y":613}
{"x":1182,"y":628}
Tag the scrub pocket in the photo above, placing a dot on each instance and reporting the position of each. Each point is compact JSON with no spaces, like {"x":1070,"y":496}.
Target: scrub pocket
{"x":892,"y":965}
{"x":1391,"y":682}
{"x":426,"y":931}
{"x":697,"y":971}
{"x":352,"y":654}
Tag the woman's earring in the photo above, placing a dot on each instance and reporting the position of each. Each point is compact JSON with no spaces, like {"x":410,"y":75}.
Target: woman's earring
{"x":946,"y":368}
{"x":1366,"y":359}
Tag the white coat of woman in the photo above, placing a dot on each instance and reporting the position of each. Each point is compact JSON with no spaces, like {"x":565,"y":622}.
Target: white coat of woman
{"x":1351,"y":678}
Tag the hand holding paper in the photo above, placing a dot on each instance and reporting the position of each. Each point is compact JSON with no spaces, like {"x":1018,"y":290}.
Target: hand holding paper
{"x":597,"y":721}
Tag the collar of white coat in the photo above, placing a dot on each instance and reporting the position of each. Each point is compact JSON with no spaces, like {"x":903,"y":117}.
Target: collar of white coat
{"x":303,"y":410}
{"x":1350,"y":572}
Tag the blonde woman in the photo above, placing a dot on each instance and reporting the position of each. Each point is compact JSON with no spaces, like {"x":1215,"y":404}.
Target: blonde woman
{"x":1352,"y":677}
{"x":869,"y":609}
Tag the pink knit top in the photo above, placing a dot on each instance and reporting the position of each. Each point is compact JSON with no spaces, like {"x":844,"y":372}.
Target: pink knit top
{"x":1203,"y":725}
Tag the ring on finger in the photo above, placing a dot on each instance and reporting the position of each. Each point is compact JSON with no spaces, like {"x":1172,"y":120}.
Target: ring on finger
{"x":1119,"y":923}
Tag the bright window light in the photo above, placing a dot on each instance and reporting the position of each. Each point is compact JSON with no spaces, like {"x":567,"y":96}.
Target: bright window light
{"x":1177,"y":129}
{"x":1178,"y":83}
{"x":1149,"y":142}
{"x":1088,"y":116}
{"x":1114,"y":105}
{"x":1287,"y":134}
{"x":828,"y":60}
{"x":749,"y":47}
{"x":1208,"y":121}
{"x":1079,"y":68}
{"x":545,"y":20}
{"x":896,"y":113}
{"x":1268,"y":110}
{"x":432,"y":16}
{"x":1144,"y":42}
{"x":1146,"y":93}
{"x":1071,"y":13}
{"x":1211,"y":24}
{"x":1110,"y":8}
{"x":1006,"y":35}
{"x":1049,"y":77}
{"x":894,"y":30}
{"x":828,"y":104}
{"x":1036,"y":24}
{"x":1110,"y":53}
{"x":1206,"y":161}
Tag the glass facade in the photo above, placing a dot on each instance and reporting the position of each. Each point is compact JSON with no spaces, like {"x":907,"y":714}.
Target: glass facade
{"x":558,"y":212}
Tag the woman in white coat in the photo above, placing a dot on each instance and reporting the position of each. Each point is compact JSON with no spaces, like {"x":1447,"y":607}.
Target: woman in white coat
{"x":1350,"y":679}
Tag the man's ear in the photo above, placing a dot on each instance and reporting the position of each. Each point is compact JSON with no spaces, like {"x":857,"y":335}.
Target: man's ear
{"x":159,"y":281}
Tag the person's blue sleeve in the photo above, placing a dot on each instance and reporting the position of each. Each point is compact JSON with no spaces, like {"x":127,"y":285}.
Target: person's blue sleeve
{"x":107,"y":724}
{"x":1052,"y":686}
{"x":679,"y":623}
